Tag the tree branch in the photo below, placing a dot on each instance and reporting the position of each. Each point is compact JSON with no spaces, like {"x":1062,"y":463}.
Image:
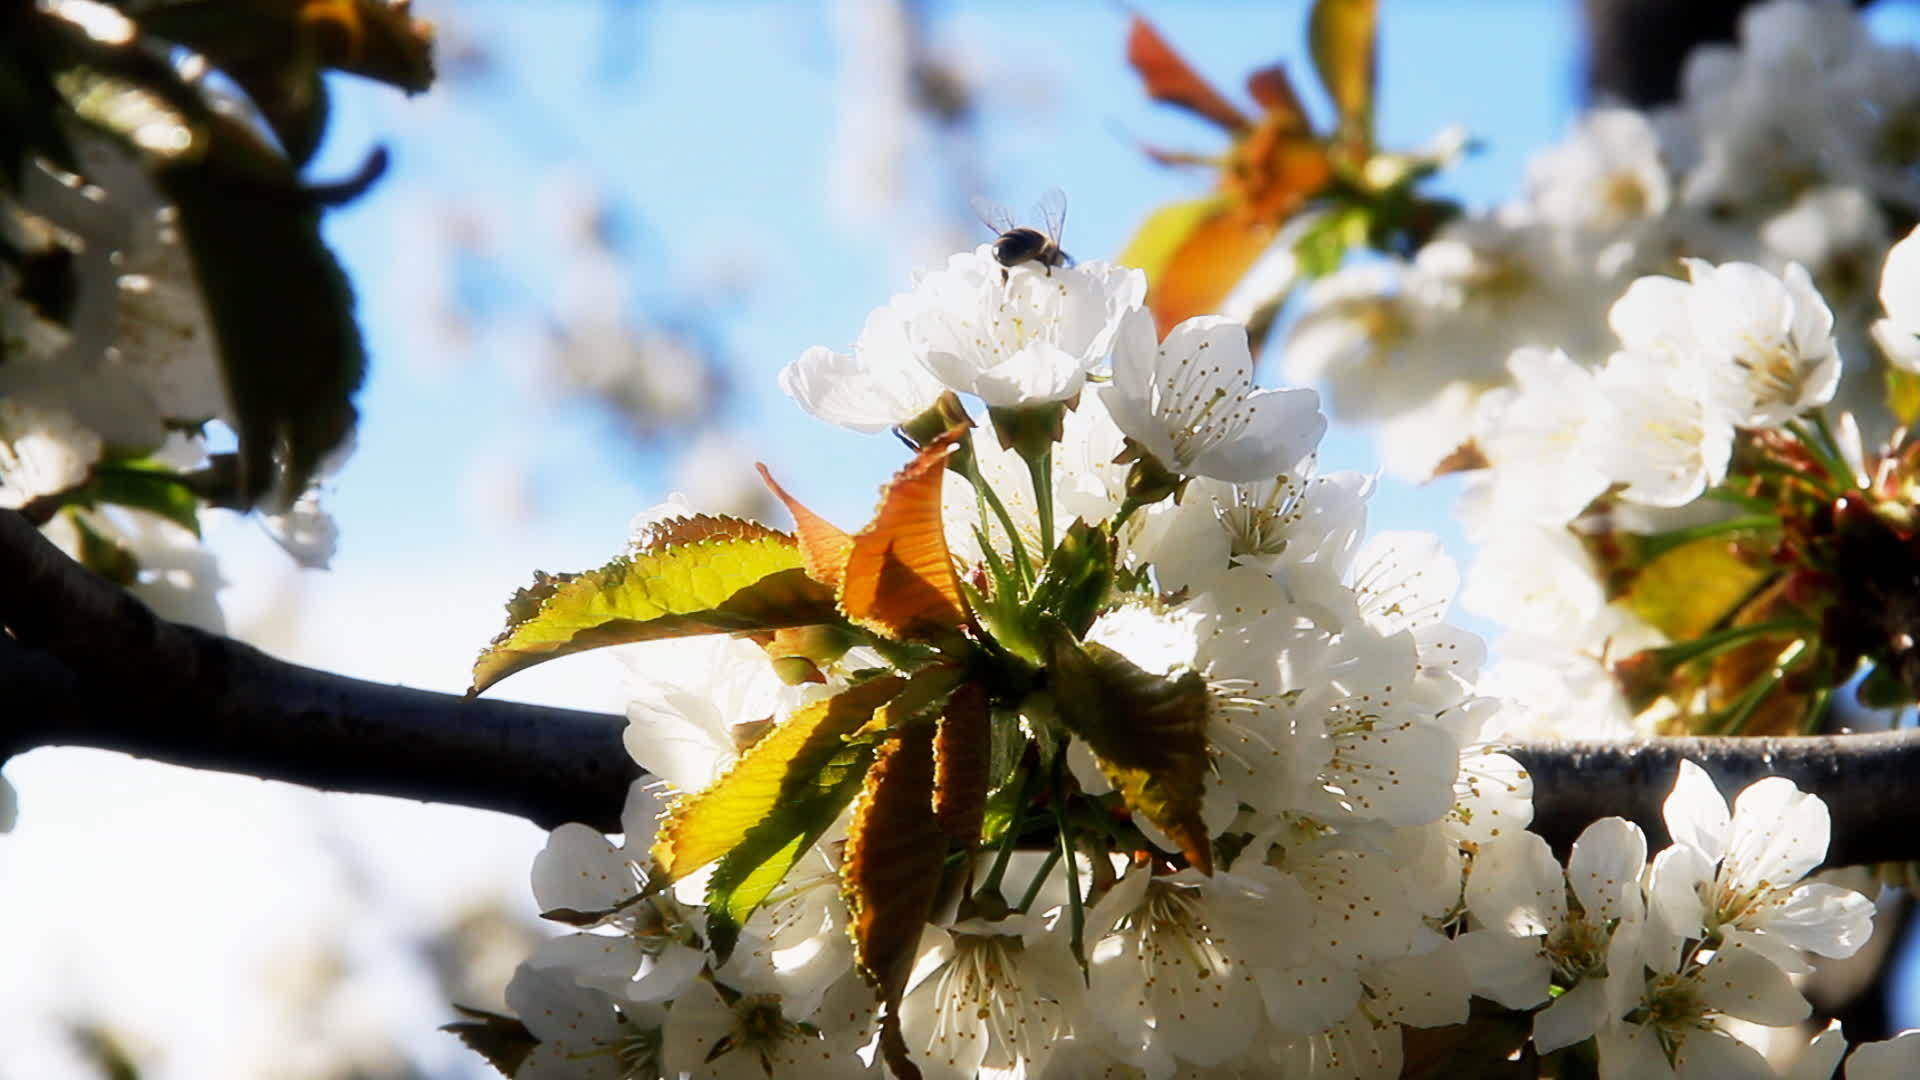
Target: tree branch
{"x":88,"y":665}
{"x":1869,"y":783}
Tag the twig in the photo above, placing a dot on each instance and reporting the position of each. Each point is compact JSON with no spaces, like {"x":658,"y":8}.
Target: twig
{"x":86,"y":664}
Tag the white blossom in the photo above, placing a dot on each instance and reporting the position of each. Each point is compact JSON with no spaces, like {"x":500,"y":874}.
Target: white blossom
{"x":1172,"y":962}
{"x":1736,"y":879}
{"x":1899,"y":333}
{"x":651,"y":954}
{"x":1765,"y":343}
{"x":880,"y":384}
{"x":582,"y":1036}
{"x":1189,"y":401}
{"x":1021,"y":335}
{"x":991,"y":999}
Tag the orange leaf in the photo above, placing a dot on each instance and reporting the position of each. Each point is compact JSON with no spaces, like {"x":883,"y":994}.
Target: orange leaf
{"x":961,"y":762}
{"x":898,"y":577}
{"x":1206,"y":266}
{"x":1169,"y":80}
{"x":823,"y":546}
{"x":1273,"y":171}
{"x":1274,"y":91}
{"x":1276,"y":168}
{"x":891,"y":874}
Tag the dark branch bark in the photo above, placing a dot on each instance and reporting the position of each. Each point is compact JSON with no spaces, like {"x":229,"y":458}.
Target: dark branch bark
{"x":88,"y":665}
{"x":1636,"y":49}
{"x":1869,"y":783}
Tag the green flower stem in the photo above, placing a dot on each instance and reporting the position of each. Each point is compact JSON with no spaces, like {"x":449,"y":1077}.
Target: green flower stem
{"x":1839,"y":473}
{"x":1011,"y":838}
{"x":988,"y":498}
{"x":1710,"y":645}
{"x":1040,"y":472}
{"x":1660,"y":543}
{"x":1825,"y":429}
{"x":1076,"y":910}
{"x":1039,"y":879}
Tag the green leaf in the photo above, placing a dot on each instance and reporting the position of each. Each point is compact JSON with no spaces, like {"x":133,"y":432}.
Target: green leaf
{"x":1882,"y":689}
{"x":1147,"y":732}
{"x":281,"y":309}
{"x":704,"y":575}
{"x":751,"y":871}
{"x":1006,"y":750}
{"x":1325,"y":243}
{"x":784,"y":766}
{"x":104,"y":556}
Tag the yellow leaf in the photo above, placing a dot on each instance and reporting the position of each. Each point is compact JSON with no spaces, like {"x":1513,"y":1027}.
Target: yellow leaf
{"x":1158,"y":237}
{"x":1343,"y":34}
{"x":1903,"y":394}
{"x":700,"y":575}
{"x":1691,"y":589}
{"x":1215,"y":254}
{"x":784,"y":764}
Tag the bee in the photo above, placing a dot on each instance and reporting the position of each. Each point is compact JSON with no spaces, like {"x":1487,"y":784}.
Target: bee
{"x":1023,"y":243}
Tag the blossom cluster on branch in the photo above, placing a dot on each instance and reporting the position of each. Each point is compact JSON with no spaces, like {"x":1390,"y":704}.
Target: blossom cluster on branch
{"x":1123,"y":752}
{"x":1669,"y":381}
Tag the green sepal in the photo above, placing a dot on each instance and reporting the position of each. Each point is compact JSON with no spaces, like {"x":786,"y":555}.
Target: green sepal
{"x":143,"y":484}
{"x":1078,"y":577}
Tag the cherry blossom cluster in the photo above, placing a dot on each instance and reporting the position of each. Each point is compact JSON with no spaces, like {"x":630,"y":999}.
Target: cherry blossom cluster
{"x":1679,"y":306}
{"x":1704,"y":368}
{"x":1784,"y":148}
{"x":1658,"y":963}
{"x":1371,"y":868}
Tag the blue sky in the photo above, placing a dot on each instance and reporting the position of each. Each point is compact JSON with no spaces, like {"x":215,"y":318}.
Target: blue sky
{"x":719,"y":134}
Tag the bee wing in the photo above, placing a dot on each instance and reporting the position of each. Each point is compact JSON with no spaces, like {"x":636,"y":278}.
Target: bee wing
{"x":1052,"y":210}
{"x":992,"y":214}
